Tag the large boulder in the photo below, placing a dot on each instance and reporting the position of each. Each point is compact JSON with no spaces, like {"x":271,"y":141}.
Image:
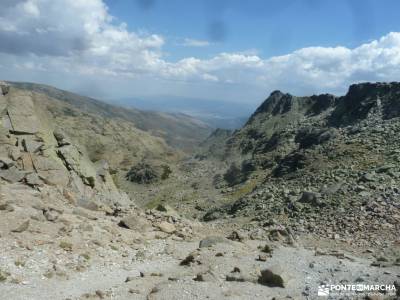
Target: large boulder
{"x":75,"y":160}
{"x":12,"y":175}
{"x":135,"y":222}
{"x":21,"y":227}
{"x":32,"y":145}
{"x":4,"y":88}
{"x":167,"y":227}
{"x":310,"y":198}
{"x":51,"y":171}
{"x":274,"y":276}
{"x":6,"y":163}
{"x":22,"y":114}
{"x":211,"y":241}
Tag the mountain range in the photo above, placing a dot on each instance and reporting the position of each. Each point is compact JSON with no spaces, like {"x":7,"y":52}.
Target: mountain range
{"x":177,"y":129}
{"x":106,"y":202}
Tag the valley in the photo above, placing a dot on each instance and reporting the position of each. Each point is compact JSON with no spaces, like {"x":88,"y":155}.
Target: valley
{"x":103,"y":202}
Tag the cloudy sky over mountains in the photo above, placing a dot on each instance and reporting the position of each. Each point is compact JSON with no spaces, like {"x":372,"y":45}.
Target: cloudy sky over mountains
{"x":120,"y":49}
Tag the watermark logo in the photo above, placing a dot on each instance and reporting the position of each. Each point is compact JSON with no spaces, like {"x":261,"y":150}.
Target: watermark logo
{"x":323,"y":290}
{"x":353,"y":289}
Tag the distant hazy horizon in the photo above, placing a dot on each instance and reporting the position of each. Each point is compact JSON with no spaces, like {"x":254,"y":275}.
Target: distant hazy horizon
{"x":230,"y":51}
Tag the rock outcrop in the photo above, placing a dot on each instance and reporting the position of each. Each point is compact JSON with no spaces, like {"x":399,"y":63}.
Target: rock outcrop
{"x":34,"y":152}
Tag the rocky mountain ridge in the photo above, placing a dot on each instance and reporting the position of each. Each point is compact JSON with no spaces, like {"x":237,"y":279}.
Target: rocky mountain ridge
{"x":322,"y":164}
{"x":178,"y":130}
{"x":281,"y":113}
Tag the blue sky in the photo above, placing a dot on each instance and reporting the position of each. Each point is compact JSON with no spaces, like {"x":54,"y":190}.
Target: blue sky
{"x":269,"y":27}
{"x":224,"y":50}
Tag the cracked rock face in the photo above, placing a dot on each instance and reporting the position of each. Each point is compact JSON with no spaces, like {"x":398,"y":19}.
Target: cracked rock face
{"x":33,"y":153}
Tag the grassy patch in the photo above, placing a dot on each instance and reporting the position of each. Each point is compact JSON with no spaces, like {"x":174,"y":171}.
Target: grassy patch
{"x":19,"y":263}
{"x":3,"y":275}
{"x":114,"y":178}
{"x":153,"y":203}
{"x":245,"y":189}
{"x":66,"y":246}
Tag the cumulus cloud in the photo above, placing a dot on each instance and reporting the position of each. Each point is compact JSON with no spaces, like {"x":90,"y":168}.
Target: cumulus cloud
{"x":83,"y":34}
{"x":321,"y":69}
{"x":86,"y":40}
{"x":312,"y":69}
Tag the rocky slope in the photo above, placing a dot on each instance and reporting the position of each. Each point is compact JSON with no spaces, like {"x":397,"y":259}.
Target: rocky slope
{"x":178,"y":130}
{"x":322,"y":164}
{"x":279,"y":229}
{"x":36,"y":152}
{"x":103,"y":132}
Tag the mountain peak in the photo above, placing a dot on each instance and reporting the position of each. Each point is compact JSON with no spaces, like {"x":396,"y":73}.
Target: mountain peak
{"x":279,"y":103}
{"x":277,"y":93}
{"x":276,"y":103}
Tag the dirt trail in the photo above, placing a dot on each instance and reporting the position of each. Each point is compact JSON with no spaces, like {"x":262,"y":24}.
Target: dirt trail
{"x":159,"y":274}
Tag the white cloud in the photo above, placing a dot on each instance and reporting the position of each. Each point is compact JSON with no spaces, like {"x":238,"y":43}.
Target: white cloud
{"x":86,"y":40}
{"x":30,"y":8}
{"x":329,"y":69}
{"x":195,"y":43}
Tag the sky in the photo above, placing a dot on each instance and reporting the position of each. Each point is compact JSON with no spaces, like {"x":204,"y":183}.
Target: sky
{"x":226,"y":50}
